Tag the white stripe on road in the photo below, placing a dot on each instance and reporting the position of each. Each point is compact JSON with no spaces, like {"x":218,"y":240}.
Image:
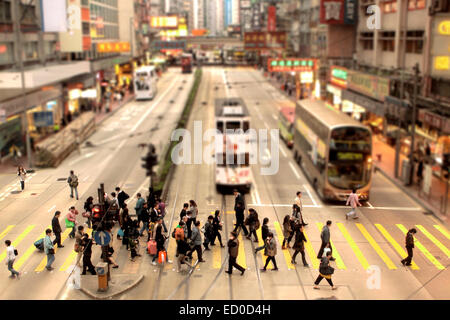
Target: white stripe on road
{"x":283,"y":152}
{"x":274,"y":117}
{"x":335,"y":207}
{"x":370,"y":205}
{"x":51,"y":209}
{"x":154,"y":104}
{"x":295,"y":170}
{"x":310,"y":194}
{"x":265,"y":123}
{"x":85,"y":179}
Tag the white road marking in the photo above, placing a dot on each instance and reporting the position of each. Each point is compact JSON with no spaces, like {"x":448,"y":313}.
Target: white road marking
{"x":85,"y":156}
{"x":275,"y":117}
{"x":253,"y":196}
{"x":51,"y":209}
{"x":265,"y":123}
{"x":85,"y":178}
{"x":295,"y":170}
{"x":335,"y":207}
{"x":283,"y":152}
{"x":310,"y":194}
{"x":154,"y":104}
{"x":258,"y":200}
{"x":370,"y":205}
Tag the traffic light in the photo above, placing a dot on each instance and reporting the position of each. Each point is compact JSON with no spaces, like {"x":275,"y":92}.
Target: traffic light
{"x":150,"y":160}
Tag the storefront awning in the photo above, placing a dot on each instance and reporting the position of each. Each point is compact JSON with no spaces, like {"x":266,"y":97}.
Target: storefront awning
{"x":367,"y":103}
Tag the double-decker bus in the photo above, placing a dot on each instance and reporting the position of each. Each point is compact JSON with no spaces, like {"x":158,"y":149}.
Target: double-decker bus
{"x":286,"y":125}
{"x":145,"y":80}
{"x":334,"y":150}
{"x":232,"y":163}
{"x":186,"y":63}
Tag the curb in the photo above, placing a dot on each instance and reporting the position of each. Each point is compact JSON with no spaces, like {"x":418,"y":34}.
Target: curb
{"x":98,"y":297}
{"x":413,"y":197}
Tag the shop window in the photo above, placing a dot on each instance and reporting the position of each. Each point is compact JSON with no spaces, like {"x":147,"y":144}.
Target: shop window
{"x":30,"y":51}
{"x":86,"y":29}
{"x":416,"y":4}
{"x":5,"y":11}
{"x":50,"y":48}
{"x":367,"y":44}
{"x":388,"y":45}
{"x":6,"y":52}
{"x":414,"y":41}
{"x":389,"y":7}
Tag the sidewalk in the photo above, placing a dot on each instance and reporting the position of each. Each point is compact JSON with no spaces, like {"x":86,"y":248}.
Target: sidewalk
{"x":431,"y":203}
{"x":9,"y":166}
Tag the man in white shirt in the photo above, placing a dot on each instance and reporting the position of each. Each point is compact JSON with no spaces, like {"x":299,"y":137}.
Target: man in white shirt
{"x":299,"y":203}
{"x":10,"y":258}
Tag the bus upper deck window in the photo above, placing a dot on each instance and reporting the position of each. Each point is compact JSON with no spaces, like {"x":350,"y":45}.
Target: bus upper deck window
{"x":220,"y":126}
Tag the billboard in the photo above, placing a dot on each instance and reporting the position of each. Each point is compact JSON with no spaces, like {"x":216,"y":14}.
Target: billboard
{"x":160,"y":45}
{"x":291,"y":65}
{"x":256,"y":16}
{"x":271,"y":18}
{"x":367,"y":84}
{"x":440,"y":48}
{"x":338,"y":76}
{"x":260,"y":40}
{"x":72,"y":39}
{"x":169,"y":22}
{"x":246,"y":4}
{"x":113,"y":47}
{"x":54,"y":15}
{"x":338,"y":11}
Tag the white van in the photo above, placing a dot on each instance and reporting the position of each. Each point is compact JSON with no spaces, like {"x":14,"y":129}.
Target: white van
{"x":145,"y":79}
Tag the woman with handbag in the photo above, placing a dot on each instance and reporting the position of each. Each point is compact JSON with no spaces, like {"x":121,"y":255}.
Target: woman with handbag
{"x":71,"y":221}
{"x":325,"y":271}
{"x":217,"y":225}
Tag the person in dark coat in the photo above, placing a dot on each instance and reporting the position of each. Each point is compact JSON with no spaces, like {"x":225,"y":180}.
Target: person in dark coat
{"x":240,"y":218}
{"x":182,"y":251}
{"x":325,"y":271}
{"x":325,"y":237}
{"x":209,"y":232}
{"x":160,"y":240}
{"x":126,"y":225}
{"x":184,"y":210}
{"x":264,"y":232}
{"x":299,"y":245}
{"x":270,"y":250}
{"x":87,"y":254}
{"x":233,"y":250}
{"x":253,"y":222}
{"x":121,"y":197}
{"x":217,"y":225}
{"x":409,"y":247}
{"x":238,"y":198}
{"x":56,"y":227}
{"x":145,"y":218}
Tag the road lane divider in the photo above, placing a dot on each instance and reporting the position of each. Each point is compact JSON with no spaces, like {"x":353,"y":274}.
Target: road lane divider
{"x":294,"y":170}
{"x":287,"y":255}
{"x":43,"y":262}
{"x":30,"y":250}
{"x":395,"y":244}
{"x":354,"y":246}
{"x":376,"y":247}
{"x":443,"y":231}
{"x":339,"y":263}
{"x":5,"y":232}
{"x":434,"y":240}
{"x":18,"y":240}
{"x":423,"y":249}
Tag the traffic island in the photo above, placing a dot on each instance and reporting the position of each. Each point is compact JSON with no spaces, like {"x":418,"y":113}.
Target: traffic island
{"x":119,"y":284}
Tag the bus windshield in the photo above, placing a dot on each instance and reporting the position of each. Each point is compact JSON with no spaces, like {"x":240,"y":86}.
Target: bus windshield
{"x":233,"y":160}
{"x":349,"y":164}
{"x":233,"y":125}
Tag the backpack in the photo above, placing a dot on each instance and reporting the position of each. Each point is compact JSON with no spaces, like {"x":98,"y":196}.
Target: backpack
{"x":73,"y":182}
{"x":173,"y":233}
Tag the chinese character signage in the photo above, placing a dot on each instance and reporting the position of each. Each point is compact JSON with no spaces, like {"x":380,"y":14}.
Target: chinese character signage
{"x":291,"y":65}
{"x":369,"y":85}
{"x":338,"y":76}
{"x":265,"y":40}
{"x":160,"y":45}
{"x":338,"y":11}
{"x":113,"y":47}
{"x":440,"y":48}
{"x":271,"y":18}
{"x":164,"y":22}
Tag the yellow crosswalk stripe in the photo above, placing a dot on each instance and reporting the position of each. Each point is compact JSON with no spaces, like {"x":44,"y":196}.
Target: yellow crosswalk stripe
{"x":286,"y":253}
{"x":434,"y":240}
{"x":310,"y":251}
{"x":423,"y":249}
{"x":339,"y":263}
{"x":241,"y":252}
{"x":354,"y":247}
{"x":29,"y":251}
{"x":5,"y":232}
{"x":395,"y":244}
{"x":72,"y":256}
{"x":440,"y":228}
{"x":376,"y":247}
{"x":217,"y":256}
{"x":43,"y":263}
{"x":17,"y":241}
{"x":260,"y":244}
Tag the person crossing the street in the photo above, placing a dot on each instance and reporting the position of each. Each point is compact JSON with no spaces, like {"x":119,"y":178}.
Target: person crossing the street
{"x":217,"y":224}
{"x":287,"y":232}
{"x":10,"y":258}
{"x":21,"y":173}
{"x":196,"y":239}
{"x":270,"y":250}
{"x":253,"y":224}
{"x":139,"y":207}
{"x":325,"y":271}
{"x":354,"y":202}
{"x":409,"y":244}
{"x":121,"y":197}
{"x":239,"y":211}
{"x":325,"y":237}
{"x":56,"y":227}
{"x":209,"y":232}
{"x":298,"y":208}
{"x":233,"y":250}
{"x":49,"y":249}
{"x":72,"y":180}
{"x":299,"y":245}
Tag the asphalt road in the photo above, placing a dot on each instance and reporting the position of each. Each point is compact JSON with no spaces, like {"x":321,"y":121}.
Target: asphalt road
{"x":368,"y":262}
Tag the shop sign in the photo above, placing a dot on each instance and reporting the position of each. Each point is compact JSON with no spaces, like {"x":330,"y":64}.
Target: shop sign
{"x":179,"y":44}
{"x":370,"y":85}
{"x":265,"y":40}
{"x":306,"y":77}
{"x":113,"y":47}
{"x":432,"y":119}
{"x":291,"y":64}
{"x":444,"y":28}
{"x":338,"y":11}
{"x":271,"y":18}
{"x":362,"y":100}
{"x":43,"y":119}
{"x":440,"y":48}
{"x":442,"y":63}
{"x":335,"y":91}
{"x":338,"y":76}
{"x":164,"y":22}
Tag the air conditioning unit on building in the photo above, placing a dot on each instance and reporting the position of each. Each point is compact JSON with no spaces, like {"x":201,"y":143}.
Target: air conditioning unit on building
{"x":438,"y":6}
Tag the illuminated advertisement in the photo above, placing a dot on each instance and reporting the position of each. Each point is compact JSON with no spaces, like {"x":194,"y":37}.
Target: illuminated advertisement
{"x":291,"y":65}
{"x":164,"y":22}
{"x":338,"y":11}
{"x":113,"y":47}
{"x":338,"y":76}
{"x":260,"y":40}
